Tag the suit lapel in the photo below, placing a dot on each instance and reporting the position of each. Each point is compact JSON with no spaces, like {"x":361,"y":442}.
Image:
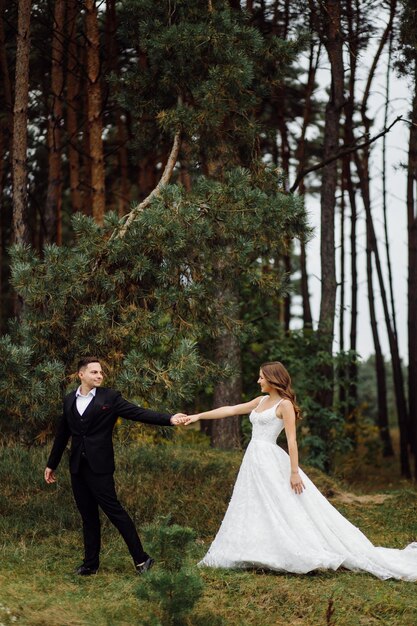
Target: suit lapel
{"x":93,"y":410}
{"x":69,"y":401}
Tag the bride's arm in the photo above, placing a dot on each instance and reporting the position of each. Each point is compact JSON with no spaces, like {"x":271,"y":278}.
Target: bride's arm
{"x":225,"y":411}
{"x":287,"y":413}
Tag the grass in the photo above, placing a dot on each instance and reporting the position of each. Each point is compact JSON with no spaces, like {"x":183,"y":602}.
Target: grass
{"x":40,"y":544}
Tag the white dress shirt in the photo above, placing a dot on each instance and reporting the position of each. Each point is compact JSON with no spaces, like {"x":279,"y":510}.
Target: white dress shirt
{"x":84,"y":401}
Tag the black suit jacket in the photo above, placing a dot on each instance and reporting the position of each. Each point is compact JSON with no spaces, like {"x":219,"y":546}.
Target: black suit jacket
{"x":93,"y":434}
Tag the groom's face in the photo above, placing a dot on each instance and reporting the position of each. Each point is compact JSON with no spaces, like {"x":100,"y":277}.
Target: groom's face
{"x":91,"y":375}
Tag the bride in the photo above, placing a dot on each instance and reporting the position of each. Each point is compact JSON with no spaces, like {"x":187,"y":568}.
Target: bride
{"x":277,"y":519}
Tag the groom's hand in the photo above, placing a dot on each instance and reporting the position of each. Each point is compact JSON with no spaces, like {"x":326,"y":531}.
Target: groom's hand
{"x":178,"y":418}
{"x":50,"y":475}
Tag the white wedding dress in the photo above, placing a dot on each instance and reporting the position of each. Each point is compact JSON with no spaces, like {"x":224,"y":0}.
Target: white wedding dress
{"x":269,"y":526}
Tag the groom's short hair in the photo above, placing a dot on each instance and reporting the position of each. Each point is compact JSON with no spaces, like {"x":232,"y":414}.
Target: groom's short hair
{"x":85,"y":360}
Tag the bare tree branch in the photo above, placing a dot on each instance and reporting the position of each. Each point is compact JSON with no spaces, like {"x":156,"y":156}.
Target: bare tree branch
{"x":342,"y":153}
{"x":164,"y":180}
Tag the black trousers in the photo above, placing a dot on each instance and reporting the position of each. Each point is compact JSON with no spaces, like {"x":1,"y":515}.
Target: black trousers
{"x":92,"y":491}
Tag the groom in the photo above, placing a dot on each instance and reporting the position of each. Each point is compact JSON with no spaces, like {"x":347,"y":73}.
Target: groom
{"x":89,"y":415}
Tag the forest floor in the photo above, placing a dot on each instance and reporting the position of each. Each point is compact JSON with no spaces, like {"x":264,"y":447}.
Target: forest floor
{"x":40,"y":544}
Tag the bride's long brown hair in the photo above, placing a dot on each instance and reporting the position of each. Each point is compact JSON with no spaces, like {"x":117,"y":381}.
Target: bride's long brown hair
{"x":277,"y":376}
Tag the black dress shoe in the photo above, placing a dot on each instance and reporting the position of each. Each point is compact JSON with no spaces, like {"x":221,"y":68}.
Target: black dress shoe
{"x":144,"y":567}
{"x":86,"y":571}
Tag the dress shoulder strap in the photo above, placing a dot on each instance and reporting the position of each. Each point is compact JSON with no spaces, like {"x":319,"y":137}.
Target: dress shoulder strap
{"x":260,"y":402}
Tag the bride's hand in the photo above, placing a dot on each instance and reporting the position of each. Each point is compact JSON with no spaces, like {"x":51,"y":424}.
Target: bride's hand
{"x":191,"y":418}
{"x":296,"y":482}
{"x":178,"y":419}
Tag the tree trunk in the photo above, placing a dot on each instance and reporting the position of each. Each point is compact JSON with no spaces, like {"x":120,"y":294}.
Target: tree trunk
{"x":123,"y":198}
{"x":353,"y":368}
{"x":85,"y":183}
{"x":379,"y":358}
{"x":342,"y":367}
{"x":333,"y":44}
{"x":121,"y":187}
{"x":353,"y":27}
{"x":147,"y":175}
{"x":19,"y":164}
{"x":342,"y":272}
{"x":2,"y":247}
{"x":226,"y":433}
{"x":307,"y":316}
{"x":95,"y":112}
{"x":6,"y":126}
{"x":73,"y":100}
{"x":4,"y":71}
{"x":412,"y":273}
{"x":384,"y":188}
{"x":363,"y":171}
{"x":53,"y":212}
{"x":300,"y":156}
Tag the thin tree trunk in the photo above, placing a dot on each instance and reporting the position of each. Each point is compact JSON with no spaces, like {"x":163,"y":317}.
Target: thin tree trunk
{"x":53,"y":212}
{"x":285,"y":314}
{"x":287,"y":297}
{"x":342,"y":272}
{"x":185,"y":176}
{"x":19,"y":165}
{"x":123,"y":198}
{"x":307,"y":316}
{"x":73,"y":99}
{"x":331,"y":20}
{"x":121,"y":187}
{"x":352,"y":395}
{"x":94,"y":112}
{"x":353,"y":368}
{"x":363,"y":171}
{"x":384,"y":188}
{"x":353,"y":27}
{"x":2,"y":251}
{"x":379,"y":357}
{"x":412,"y":273}
{"x":6,"y":124}
{"x":300,"y":156}
{"x":333,"y":44}
{"x":285,"y":163}
{"x":85,"y":183}
{"x":147,"y":175}
{"x":342,"y":367}
{"x":4,"y":71}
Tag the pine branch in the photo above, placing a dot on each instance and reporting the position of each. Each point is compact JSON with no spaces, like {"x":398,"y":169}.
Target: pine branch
{"x":342,"y":153}
{"x":164,"y":180}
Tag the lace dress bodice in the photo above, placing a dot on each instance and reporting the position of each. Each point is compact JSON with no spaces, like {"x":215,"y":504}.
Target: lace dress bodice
{"x":266,"y":426}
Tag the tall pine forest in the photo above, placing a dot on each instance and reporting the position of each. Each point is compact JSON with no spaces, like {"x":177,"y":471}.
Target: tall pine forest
{"x":160,"y":162}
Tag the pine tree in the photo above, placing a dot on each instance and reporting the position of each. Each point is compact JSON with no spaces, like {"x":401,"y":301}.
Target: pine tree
{"x":144,"y":303}
{"x":202,"y":71}
{"x":173,"y":587}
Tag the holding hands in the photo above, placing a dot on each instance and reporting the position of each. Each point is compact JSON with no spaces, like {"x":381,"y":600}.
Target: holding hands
{"x":179,"y":419}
